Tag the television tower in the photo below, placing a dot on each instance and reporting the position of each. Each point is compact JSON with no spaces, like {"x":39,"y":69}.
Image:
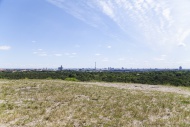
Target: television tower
{"x":95,"y":65}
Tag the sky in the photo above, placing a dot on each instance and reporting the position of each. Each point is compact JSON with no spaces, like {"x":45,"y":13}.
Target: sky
{"x":78,"y":33}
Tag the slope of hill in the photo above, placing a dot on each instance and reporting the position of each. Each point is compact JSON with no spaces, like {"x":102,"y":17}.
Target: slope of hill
{"x":61,"y":103}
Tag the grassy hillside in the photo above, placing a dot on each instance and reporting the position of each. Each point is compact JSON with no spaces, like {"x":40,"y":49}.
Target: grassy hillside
{"x":62,"y":103}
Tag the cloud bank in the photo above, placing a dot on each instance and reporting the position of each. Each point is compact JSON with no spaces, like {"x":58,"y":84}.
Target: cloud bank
{"x":157,"y":23}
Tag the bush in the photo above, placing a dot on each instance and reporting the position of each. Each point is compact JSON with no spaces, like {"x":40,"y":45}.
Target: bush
{"x":71,"y":79}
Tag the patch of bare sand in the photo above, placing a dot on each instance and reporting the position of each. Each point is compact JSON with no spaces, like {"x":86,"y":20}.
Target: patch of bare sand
{"x":144,"y":87}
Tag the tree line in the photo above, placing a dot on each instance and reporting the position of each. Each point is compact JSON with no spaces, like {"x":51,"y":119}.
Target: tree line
{"x":177,"y":78}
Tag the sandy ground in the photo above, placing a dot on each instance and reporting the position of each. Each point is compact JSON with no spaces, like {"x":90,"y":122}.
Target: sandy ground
{"x":144,"y":87}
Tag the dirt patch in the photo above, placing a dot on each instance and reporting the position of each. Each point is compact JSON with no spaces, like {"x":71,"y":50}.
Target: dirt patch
{"x":144,"y":87}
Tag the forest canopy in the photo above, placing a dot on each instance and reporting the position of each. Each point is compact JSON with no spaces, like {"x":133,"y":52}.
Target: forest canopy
{"x":176,"y":78}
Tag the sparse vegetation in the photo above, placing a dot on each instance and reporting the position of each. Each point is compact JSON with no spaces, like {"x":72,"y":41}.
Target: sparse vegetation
{"x":61,"y":103}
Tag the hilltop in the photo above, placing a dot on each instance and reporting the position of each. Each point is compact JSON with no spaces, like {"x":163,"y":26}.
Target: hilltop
{"x":65,"y":103}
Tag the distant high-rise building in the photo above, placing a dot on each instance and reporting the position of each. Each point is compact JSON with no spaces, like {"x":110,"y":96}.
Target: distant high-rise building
{"x":60,"y":68}
{"x":180,"y":68}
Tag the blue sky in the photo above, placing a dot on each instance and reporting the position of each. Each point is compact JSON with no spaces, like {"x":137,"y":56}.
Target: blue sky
{"x":76,"y":33}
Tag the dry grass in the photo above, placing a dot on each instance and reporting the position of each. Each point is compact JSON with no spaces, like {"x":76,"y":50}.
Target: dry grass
{"x":60,"y":103}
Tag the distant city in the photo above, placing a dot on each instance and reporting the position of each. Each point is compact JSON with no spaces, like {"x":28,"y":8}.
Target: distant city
{"x":95,"y":69}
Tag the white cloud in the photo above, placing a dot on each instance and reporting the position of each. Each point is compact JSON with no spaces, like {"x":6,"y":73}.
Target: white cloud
{"x":58,"y":54}
{"x":155,"y":20}
{"x":35,"y":52}
{"x":67,"y":54}
{"x":109,"y":47}
{"x":105,"y":60}
{"x":42,"y":54}
{"x":107,"y":8}
{"x":97,"y":54}
{"x":161,"y":24}
{"x":166,"y":14}
{"x":160,"y":58}
{"x":4,"y":47}
{"x":182,"y":45}
{"x":121,"y":59}
{"x":83,"y":10}
{"x":182,"y":35}
{"x":71,"y":55}
{"x":74,"y":53}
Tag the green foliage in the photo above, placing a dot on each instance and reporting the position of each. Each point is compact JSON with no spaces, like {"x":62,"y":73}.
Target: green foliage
{"x":71,"y":79}
{"x":176,"y":78}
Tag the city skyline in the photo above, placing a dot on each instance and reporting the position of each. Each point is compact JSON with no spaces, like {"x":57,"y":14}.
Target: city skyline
{"x":76,"y":34}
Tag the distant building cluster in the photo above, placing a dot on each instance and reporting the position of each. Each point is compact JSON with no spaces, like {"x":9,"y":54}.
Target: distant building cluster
{"x":109,"y":69}
{"x":122,"y":69}
{"x":60,"y":68}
